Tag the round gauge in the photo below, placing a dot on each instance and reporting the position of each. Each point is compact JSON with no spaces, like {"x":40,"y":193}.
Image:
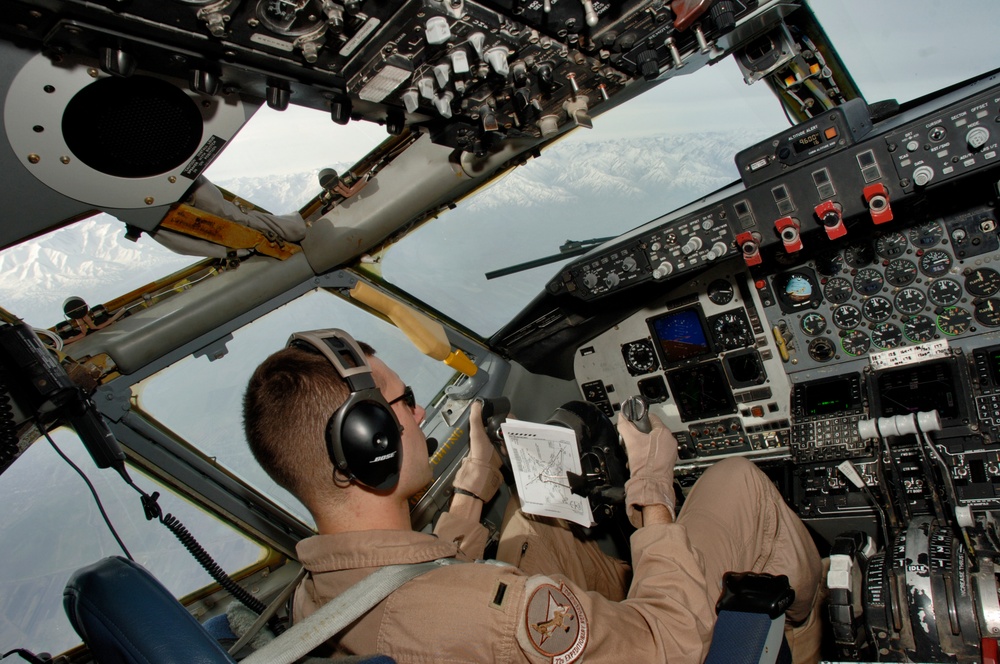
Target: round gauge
{"x":910,"y":301}
{"x":813,"y":324}
{"x":846,"y":316}
{"x":877,"y":309}
{"x":918,"y":329}
{"x":988,"y":312}
{"x":890,"y":245}
{"x":900,"y":272}
{"x":822,"y":349}
{"x":982,"y":282}
{"x":868,"y":281}
{"x":731,"y":330}
{"x":640,"y":358}
{"x":887,"y":335}
{"x":859,"y":255}
{"x":837,"y":290}
{"x":829,"y":264}
{"x":935,"y":263}
{"x":944,"y":292}
{"x":954,"y":321}
{"x":855,"y":343}
{"x":286,"y":17}
{"x":720,"y":291}
{"x":927,"y":234}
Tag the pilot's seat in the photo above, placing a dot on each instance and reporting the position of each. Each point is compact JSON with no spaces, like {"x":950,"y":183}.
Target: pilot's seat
{"x":126,"y":616}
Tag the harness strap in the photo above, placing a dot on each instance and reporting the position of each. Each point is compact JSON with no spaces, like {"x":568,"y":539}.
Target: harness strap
{"x":337,"y":614}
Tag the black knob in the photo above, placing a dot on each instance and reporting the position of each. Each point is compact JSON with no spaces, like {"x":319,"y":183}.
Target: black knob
{"x":545,"y":79}
{"x":278,"y":97}
{"x":723,"y":14}
{"x":649,"y":68}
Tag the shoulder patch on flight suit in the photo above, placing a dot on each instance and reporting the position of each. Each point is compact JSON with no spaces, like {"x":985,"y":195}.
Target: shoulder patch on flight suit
{"x":554,"y":624}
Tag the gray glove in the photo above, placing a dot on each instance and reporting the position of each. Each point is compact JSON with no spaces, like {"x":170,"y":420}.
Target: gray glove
{"x":651,"y":459}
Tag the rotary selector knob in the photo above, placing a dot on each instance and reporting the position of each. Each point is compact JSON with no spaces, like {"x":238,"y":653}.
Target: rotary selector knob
{"x":977,"y":137}
{"x":590,"y":280}
{"x":612,"y":279}
{"x":922,"y":175}
{"x":691,"y":246}
{"x":718,"y":250}
{"x":629,"y":264}
{"x":662,"y":270}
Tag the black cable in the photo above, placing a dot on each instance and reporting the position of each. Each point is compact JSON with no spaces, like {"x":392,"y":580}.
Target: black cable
{"x":93,"y":491}
{"x":153,"y":511}
{"x":173,"y":524}
{"x":27,"y":655}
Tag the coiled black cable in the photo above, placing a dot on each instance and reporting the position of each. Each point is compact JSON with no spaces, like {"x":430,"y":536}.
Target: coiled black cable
{"x":212,"y":567}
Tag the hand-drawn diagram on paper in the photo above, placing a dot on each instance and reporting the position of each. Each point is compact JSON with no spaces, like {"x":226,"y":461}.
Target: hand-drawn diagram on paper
{"x":540,"y":455}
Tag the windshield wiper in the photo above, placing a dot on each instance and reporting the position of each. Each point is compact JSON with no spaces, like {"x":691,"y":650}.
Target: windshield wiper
{"x":568,"y":249}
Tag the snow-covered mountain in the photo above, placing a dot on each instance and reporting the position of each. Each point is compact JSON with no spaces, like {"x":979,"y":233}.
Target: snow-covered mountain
{"x":596,"y":188}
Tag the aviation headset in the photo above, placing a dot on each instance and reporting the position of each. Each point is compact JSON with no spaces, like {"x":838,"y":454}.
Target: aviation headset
{"x":363,"y":436}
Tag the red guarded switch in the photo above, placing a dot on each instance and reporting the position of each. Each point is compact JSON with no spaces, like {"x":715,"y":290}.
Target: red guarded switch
{"x":788,"y":230}
{"x":750,"y":248}
{"x":831,"y":218}
{"x":877,"y":197}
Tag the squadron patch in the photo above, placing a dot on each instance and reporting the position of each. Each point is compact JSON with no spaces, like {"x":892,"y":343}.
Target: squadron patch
{"x":554,"y":624}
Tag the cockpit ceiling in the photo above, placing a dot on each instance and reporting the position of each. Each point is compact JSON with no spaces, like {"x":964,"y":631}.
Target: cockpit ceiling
{"x":471,"y":75}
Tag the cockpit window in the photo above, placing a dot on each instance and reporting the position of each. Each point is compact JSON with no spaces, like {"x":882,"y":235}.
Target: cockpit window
{"x":202,"y":401}
{"x":273,"y":163}
{"x":908,"y":56}
{"x":647,"y":157}
{"x":50,"y":526}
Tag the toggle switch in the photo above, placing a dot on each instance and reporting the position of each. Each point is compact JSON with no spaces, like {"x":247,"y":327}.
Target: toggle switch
{"x":750,"y":248}
{"x":832,"y":219}
{"x":788,"y":231}
{"x":877,"y":197}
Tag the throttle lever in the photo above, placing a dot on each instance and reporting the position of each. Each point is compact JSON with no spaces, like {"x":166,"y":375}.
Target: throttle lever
{"x":635,"y":410}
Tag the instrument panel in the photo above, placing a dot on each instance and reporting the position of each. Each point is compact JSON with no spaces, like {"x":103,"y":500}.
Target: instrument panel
{"x":938,"y":279}
{"x":704,"y":359}
{"x":869,"y":309}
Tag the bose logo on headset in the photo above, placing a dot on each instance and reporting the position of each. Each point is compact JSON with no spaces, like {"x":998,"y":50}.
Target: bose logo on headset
{"x":363,"y":435}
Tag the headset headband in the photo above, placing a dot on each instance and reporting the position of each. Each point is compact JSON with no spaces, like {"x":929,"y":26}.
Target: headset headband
{"x":363,"y":436}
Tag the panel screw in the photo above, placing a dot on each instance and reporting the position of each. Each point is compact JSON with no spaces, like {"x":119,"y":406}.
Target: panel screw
{"x":64,"y":159}
{"x":33,"y":158}
{"x":148,"y":200}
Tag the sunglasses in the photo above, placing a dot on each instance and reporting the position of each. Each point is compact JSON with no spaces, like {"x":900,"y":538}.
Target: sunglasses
{"x":406,"y":397}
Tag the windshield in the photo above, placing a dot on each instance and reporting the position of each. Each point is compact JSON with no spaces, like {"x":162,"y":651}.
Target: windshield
{"x":647,"y":157}
{"x":655,"y":153}
{"x":273,"y":162}
{"x":202,"y":401}
{"x":908,"y":56}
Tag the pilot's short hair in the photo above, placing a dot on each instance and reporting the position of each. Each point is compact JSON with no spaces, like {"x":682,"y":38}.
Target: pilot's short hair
{"x":288,"y":401}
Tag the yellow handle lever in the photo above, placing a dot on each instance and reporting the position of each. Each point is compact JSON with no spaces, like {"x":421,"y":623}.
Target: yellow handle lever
{"x":426,"y":334}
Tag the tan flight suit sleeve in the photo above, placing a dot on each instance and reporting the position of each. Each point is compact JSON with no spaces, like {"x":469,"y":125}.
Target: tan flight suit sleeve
{"x":667,"y":616}
{"x":462,"y":522}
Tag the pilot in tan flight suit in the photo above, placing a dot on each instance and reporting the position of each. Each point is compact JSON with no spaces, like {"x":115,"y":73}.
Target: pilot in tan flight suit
{"x":560,"y":599}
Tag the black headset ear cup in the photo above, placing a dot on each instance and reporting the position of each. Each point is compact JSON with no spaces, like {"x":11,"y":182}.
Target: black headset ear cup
{"x":370,"y":445}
